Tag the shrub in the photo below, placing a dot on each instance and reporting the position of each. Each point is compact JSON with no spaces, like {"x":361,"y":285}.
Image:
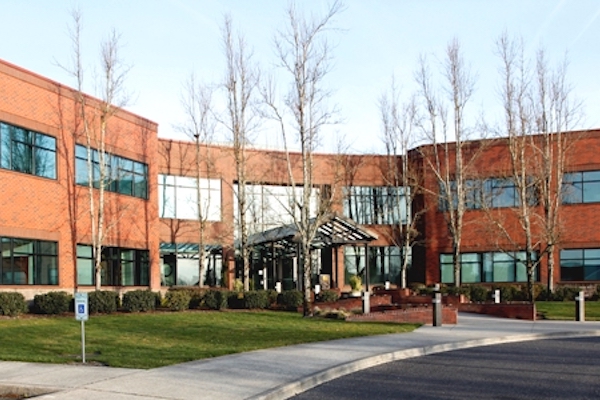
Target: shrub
{"x":329,"y":296}
{"x":103,"y":301}
{"x":355,"y":283}
{"x":256,"y":299}
{"x":178,"y":300}
{"x":478,"y":293}
{"x":331,"y":313}
{"x":272,"y":296}
{"x":139,"y":301}
{"x":12,"y":304}
{"x":216,"y":299}
{"x":52,"y":303}
{"x":291,"y":299}
{"x":565,"y":293}
{"x":235,"y":300}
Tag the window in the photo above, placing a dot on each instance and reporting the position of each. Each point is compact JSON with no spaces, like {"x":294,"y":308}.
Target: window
{"x":120,"y":266}
{"x":376,"y":205}
{"x":178,"y":198}
{"x":122,"y":175}
{"x":580,"y":265}
{"x":270,"y":206}
{"x":181,"y":265}
{"x":28,"y":262}
{"x":27,"y":151}
{"x":385,"y":263}
{"x":487,"y":267}
{"x":491,"y":192}
{"x":581,"y":187}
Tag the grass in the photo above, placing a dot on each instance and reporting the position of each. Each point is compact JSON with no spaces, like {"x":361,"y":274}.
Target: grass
{"x":565,"y":310}
{"x":150,"y":340}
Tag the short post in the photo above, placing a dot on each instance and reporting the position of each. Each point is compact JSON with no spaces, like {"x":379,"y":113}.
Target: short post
{"x":366,"y":302}
{"x":387,"y":285}
{"x":317,"y":291}
{"x":437,"y":306}
{"x":580,"y":307}
{"x":497,"y":296}
{"x":278,"y":287}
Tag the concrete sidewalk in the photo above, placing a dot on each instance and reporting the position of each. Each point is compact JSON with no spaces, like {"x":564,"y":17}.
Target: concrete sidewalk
{"x":275,"y":373}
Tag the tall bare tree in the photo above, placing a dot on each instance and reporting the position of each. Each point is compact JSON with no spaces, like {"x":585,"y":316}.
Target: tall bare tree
{"x":95,"y":119}
{"x":447,"y":158}
{"x":197,"y":104}
{"x":240,"y":84}
{"x":538,"y":108}
{"x":304,"y":54}
{"x":399,"y":123}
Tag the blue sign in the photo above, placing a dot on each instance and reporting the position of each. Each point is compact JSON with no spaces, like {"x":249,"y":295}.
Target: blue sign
{"x":81,"y":306}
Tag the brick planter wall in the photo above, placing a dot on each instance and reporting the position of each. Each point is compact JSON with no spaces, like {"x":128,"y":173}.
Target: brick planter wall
{"x":505,"y":310}
{"x":419,"y":315}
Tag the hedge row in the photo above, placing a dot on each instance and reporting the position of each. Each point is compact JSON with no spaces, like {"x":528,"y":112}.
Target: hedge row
{"x":481,"y":293}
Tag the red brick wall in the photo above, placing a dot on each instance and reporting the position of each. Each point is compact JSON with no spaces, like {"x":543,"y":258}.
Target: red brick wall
{"x":48,"y":209}
{"x":417,"y":315}
{"x":516,"y":311}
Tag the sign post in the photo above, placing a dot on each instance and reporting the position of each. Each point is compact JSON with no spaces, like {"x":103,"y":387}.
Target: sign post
{"x":81,"y":314}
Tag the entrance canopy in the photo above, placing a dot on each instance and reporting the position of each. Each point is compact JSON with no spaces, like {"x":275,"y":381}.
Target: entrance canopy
{"x":334,"y":230}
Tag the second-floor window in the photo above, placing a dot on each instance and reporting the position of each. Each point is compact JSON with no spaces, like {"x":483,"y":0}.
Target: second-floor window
{"x":581,"y":187}
{"x":178,"y":198}
{"x":376,"y":205}
{"x":27,"y":151}
{"x":121,"y":175}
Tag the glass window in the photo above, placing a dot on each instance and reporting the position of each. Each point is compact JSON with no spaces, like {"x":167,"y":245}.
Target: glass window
{"x":376,"y":205}
{"x":580,"y":265}
{"x":27,"y":151}
{"x":178,"y":198}
{"x":581,"y":187}
{"x":120,"y":267}
{"x":29,"y":262}
{"x":488,"y":267}
{"x":122,"y":175}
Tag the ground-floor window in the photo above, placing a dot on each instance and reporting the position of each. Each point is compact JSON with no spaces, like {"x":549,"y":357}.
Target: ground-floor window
{"x":28,"y":262}
{"x":180,"y":265}
{"x":487,"y":267}
{"x":385,"y":263}
{"x":580,"y":265}
{"x":120,"y":266}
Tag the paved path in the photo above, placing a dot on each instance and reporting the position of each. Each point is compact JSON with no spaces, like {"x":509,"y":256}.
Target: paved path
{"x":276,"y":373}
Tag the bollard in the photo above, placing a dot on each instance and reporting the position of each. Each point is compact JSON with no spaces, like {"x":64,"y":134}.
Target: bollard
{"x":497,"y":296}
{"x":580,"y":307}
{"x":437,"y":307}
{"x":366,"y":302}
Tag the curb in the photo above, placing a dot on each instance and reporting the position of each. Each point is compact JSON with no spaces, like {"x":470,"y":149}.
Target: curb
{"x":291,"y":389}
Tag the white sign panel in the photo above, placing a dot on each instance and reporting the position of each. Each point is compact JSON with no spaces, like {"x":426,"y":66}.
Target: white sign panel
{"x":81,"y":306}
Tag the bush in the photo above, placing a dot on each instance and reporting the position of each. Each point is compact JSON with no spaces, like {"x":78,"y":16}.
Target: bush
{"x":340,"y":314}
{"x":355,"y":283}
{"x":478,"y":293}
{"x":565,"y":293}
{"x":256,"y":299}
{"x":178,"y":300}
{"x":52,"y":303}
{"x":12,"y":304}
{"x":216,"y":299}
{"x":139,"y":301}
{"x":103,"y":301}
{"x":291,"y":299}
{"x":329,"y":296}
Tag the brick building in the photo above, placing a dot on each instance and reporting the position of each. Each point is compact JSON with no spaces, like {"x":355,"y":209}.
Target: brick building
{"x":163,"y":207}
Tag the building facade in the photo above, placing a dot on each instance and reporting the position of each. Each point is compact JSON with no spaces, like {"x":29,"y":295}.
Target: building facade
{"x":170,"y":204}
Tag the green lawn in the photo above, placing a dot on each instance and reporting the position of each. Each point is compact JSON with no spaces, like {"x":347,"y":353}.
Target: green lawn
{"x":565,"y":310}
{"x":150,"y":340}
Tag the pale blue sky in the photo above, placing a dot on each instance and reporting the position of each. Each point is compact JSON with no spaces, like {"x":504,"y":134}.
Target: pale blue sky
{"x":165,"y":40}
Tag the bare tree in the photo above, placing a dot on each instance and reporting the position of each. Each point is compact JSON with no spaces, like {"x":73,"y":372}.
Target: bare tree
{"x":95,"y":126}
{"x":241,"y":82}
{"x":304,"y":54}
{"x":197,"y":103}
{"x":399,"y":122}
{"x":538,"y":109}
{"x":447,"y":158}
